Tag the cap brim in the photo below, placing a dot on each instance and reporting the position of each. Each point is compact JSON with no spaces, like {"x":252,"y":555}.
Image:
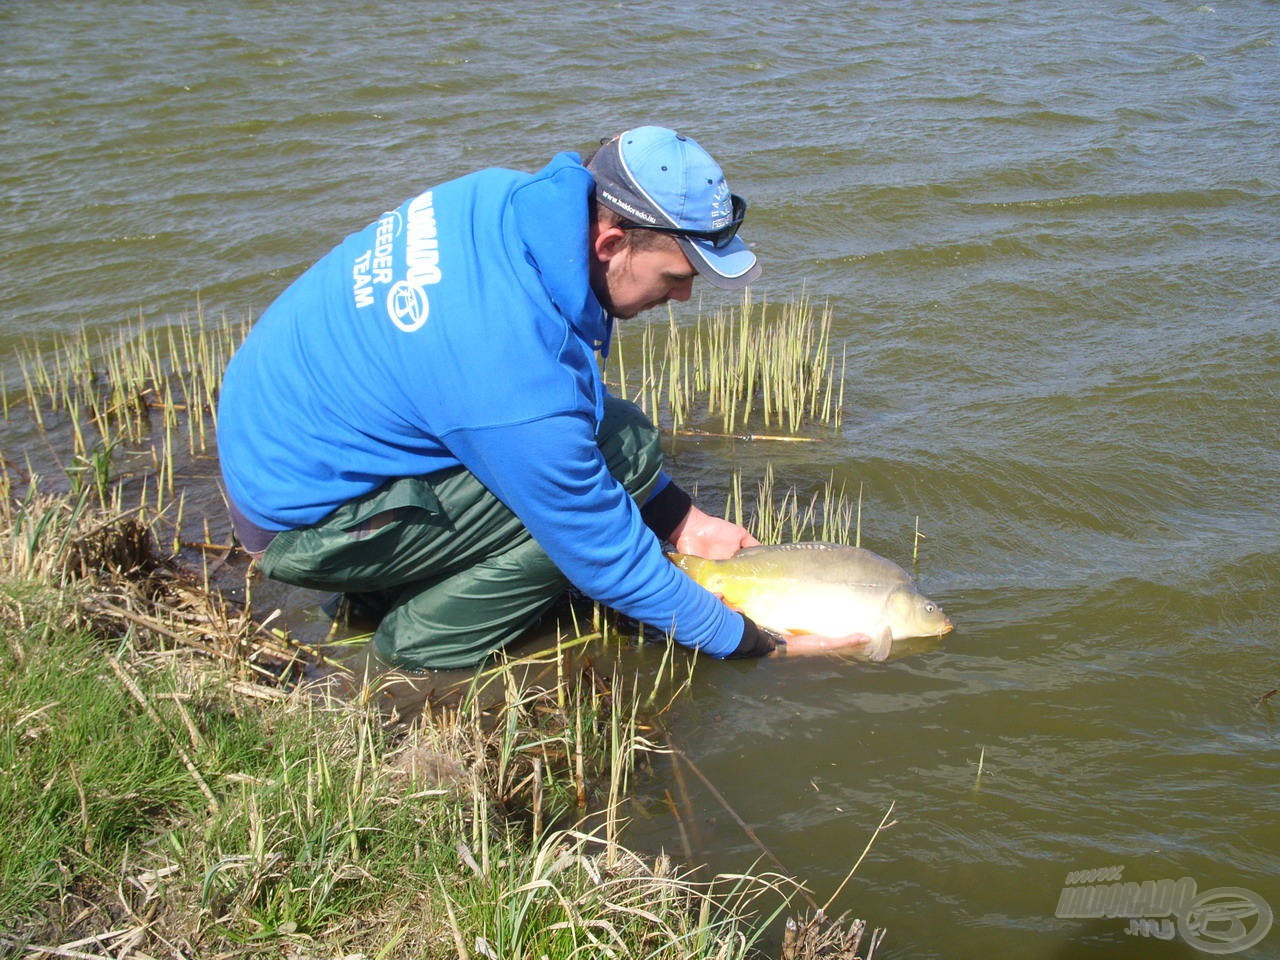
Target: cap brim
{"x":730,"y":267}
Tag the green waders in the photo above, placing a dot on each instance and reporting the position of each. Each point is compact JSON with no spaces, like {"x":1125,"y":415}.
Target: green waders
{"x":466,"y":575}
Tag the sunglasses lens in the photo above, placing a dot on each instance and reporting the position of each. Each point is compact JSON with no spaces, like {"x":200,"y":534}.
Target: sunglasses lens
{"x":720,"y":238}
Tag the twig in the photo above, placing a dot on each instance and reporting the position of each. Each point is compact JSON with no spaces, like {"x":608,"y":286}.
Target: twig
{"x":676,"y":751}
{"x":257,"y":690}
{"x":684,"y":834}
{"x":454,"y":928}
{"x":96,"y":939}
{"x":884,"y":825}
{"x":743,"y":436}
{"x":160,"y":628}
{"x":10,"y":465}
{"x":197,"y":741}
{"x":66,"y":952}
{"x":684,"y":801}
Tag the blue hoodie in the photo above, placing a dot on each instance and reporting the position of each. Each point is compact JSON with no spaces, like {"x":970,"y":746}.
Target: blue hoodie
{"x":460,"y":328}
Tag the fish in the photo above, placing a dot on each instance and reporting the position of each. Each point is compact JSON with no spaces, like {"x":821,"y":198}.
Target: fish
{"x":822,"y":590}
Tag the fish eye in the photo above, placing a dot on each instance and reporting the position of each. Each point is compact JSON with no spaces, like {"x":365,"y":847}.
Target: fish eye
{"x":930,"y":607}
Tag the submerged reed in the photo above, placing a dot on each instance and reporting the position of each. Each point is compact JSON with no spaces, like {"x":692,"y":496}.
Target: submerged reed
{"x":782,"y":517}
{"x":113,"y":382}
{"x":754,"y":361}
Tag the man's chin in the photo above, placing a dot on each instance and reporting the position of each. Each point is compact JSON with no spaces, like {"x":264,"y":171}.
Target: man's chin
{"x":628,"y":313}
{"x":645,"y":309}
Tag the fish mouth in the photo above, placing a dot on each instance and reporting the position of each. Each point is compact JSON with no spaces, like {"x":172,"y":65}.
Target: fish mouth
{"x":947,"y":627}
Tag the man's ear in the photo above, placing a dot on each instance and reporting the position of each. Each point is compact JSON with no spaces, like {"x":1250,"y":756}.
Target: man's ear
{"x":607,"y":241}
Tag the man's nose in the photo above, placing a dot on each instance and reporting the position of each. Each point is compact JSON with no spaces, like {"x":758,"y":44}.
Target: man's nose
{"x":683,"y":290}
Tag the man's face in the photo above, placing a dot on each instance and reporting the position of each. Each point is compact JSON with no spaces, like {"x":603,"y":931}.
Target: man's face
{"x":630,"y":280}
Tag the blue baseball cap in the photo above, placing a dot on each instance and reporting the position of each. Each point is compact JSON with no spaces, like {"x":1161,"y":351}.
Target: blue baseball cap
{"x":657,"y":179}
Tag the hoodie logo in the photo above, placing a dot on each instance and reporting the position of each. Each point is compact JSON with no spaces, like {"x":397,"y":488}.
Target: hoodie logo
{"x":376,"y":267}
{"x":407,"y":305}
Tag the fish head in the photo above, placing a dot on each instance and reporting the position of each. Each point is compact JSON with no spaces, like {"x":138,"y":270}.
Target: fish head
{"x":912,"y":614}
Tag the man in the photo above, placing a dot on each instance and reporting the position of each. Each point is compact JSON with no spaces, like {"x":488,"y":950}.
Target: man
{"x":420,"y":416}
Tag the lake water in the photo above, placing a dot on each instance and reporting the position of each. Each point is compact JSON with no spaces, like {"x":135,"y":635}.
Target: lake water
{"x":1050,"y":236}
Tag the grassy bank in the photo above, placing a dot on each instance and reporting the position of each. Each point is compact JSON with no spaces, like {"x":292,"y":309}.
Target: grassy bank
{"x":151,"y":801}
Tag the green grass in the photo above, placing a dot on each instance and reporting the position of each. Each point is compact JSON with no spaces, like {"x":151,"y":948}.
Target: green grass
{"x":83,"y":772}
{"x":44,"y":760}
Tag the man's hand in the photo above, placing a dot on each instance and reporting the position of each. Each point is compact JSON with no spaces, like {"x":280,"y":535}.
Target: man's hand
{"x":702,"y":535}
{"x":809,"y":644}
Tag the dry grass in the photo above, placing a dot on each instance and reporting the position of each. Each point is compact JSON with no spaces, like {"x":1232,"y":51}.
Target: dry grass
{"x":124,"y":586}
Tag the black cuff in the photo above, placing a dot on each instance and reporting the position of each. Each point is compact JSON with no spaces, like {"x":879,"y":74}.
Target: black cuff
{"x":756,"y":641}
{"x":664,"y":511}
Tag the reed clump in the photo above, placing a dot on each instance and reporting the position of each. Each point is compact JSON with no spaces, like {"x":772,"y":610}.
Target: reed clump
{"x":109,"y":563}
{"x":753,"y":362}
{"x":813,"y":935}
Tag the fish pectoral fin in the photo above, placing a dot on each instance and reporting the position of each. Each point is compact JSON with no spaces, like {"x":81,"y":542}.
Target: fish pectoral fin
{"x":879,"y":646}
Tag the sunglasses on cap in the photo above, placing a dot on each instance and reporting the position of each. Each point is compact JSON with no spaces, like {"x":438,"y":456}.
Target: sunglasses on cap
{"x":718,"y":238}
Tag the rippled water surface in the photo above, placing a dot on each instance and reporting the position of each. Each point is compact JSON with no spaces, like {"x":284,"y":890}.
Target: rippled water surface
{"x":1050,"y":236}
